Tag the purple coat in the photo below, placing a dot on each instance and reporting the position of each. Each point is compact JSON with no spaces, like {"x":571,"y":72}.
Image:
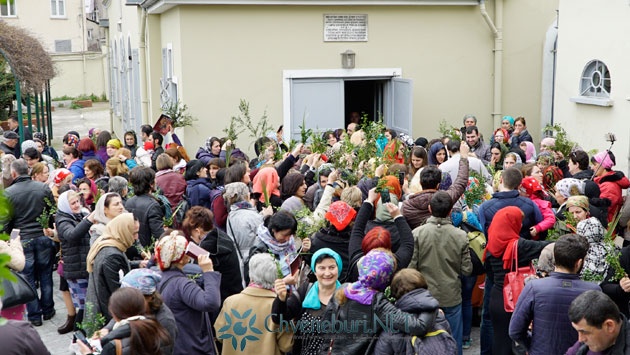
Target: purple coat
{"x":192,"y":307}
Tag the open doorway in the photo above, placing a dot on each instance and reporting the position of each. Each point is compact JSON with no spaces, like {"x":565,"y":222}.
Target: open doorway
{"x":363,"y":97}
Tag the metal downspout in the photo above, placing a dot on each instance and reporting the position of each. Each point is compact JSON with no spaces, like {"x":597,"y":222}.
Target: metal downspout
{"x":496,"y":28}
{"x":143,"y":59}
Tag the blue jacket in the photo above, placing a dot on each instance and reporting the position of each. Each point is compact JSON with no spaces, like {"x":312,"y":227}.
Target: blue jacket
{"x":77,"y":169}
{"x":198,"y":192}
{"x":499,"y":200}
{"x":546,"y":302}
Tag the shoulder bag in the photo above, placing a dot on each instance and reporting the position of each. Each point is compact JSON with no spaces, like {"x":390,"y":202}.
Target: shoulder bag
{"x":514,"y":281}
{"x":18,"y":292}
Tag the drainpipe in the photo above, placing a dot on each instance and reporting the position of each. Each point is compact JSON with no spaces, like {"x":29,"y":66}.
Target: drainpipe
{"x":142,"y":54}
{"x":496,"y":28}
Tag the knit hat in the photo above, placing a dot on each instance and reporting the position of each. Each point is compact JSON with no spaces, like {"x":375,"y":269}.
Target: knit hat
{"x":40,"y":136}
{"x":602,"y":158}
{"x":145,"y":280}
{"x":340,"y":214}
{"x":578,"y":201}
{"x":114,"y":143}
{"x":60,"y":175}
{"x":170,"y":249}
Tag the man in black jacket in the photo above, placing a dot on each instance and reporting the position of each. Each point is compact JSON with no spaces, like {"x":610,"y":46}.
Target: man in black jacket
{"x":28,"y":200}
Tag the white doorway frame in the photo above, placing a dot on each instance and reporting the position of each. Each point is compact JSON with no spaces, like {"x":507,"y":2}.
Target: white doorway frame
{"x":288,"y":75}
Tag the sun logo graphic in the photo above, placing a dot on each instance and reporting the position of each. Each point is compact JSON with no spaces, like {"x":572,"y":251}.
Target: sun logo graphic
{"x":237,"y":328}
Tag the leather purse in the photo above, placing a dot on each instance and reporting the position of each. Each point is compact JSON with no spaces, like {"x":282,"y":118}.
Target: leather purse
{"x":18,"y":292}
{"x":514,"y":281}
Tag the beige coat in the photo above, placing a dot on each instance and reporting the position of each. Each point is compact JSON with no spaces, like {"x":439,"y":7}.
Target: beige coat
{"x":15,"y":251}
{"x":241,"y":333}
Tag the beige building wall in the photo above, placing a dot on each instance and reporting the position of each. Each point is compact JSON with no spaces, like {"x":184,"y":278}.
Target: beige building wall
{"x":525,"y":25}
{"x":604,"y":39}
{"x":76,"y":77}
{"x":227,"y":53}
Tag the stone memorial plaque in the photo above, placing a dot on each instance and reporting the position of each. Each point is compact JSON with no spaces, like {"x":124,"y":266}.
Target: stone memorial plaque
{"x":345,"y":28}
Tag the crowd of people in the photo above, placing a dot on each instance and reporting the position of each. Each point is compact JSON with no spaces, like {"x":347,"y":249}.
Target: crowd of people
{"x":305,"y":250}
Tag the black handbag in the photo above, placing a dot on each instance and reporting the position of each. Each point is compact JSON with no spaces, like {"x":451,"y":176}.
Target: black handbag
{"x":18,"y":292}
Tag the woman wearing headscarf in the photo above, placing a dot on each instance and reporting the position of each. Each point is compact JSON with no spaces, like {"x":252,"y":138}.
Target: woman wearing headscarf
{"x":255,"y":301}
{"x":73,"y":232}
{"x":530,"y":151}
{"x":551,"y":173}
{"x":595,"y":265}
{"x":364,"y":301}
{"x":566,"y":188}
{"x":507,"y":123}
{"x":335,"y":235}
{"x":108,"y":207}
{"x":363,"y":240}
{"x":243,"y":219}
{"x":277,"y":237}
{"x":611,"y":183}
{"x":266,"y":184}
{"x":503,"y":241}
{"x":437,"y":154}
{"x":192,"y":306}
{"x":106,"y":261}
{"x":309,"y":305}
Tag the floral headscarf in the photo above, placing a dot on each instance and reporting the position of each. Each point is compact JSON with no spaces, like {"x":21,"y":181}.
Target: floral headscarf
{"x":170,"y":249}
{"x":565,"y":186}
{"x":340,"y":214}
{"x":145,"y":280}
{"x":531,"y":186}
{"x":375,"y":273}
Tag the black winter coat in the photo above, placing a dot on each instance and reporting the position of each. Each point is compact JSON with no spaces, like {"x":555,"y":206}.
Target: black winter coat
{"x":150,"y":213}
{"x":27,"y":198}
{"x":225,"y":260}
{"x":74,"y":235}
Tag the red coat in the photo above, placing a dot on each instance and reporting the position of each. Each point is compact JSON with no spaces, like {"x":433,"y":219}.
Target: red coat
{"x":610,"y":185}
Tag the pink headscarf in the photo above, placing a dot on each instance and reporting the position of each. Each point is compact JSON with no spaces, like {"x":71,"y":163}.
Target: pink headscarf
{"x":603,"y":158}
{"x":530,"y":152}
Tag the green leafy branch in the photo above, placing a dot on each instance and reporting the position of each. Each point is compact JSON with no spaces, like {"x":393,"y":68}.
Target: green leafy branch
{"x":563,"y":143}
{"x":178,"y":112}
{"x":92,"y":322}
{"x":450,"y":131}
{"x":612,"y":253}
{"x":48,"y":212}
{"x":279,"y":273}
{"x":256,"y":130}
{"x":476,"y":193}
{"x":307,"y":223}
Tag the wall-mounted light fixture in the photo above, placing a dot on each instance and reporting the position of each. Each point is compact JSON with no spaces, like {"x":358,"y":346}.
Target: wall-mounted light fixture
{"x":348,"y":59}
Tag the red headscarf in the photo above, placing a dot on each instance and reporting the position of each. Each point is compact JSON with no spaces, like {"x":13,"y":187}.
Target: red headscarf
{"x":504,"y":232}
{"x":392,"y":182}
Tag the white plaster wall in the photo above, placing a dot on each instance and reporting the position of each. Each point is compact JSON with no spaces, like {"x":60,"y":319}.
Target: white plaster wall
{"x":588,"y":30}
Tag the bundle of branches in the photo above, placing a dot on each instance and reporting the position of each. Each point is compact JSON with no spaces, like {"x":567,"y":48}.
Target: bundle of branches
{"x":28,"y":59}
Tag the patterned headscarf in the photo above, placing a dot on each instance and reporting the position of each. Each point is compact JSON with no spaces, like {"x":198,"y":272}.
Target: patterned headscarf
{"x":311,"y":300}
{"x":72,"y":140}
{"x":578,"y":201}
{"x":375,"y":273}
{"x":286,"y":252}
{"x":565,"y":186}
{"x":340,"y":214}
{"x":592,"y":229}
{"x":531,"y":186}
{"x":60,"y":174}
{"x":170,"y":249}
{"x":145,"y":280}
{"x":551,"y":175}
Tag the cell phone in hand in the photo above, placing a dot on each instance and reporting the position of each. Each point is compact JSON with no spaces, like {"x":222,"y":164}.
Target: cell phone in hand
{"x":80,"y":337}
{"x":194,"y":251}
{"x":15,"y":233}
{"x":385,"y":196}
